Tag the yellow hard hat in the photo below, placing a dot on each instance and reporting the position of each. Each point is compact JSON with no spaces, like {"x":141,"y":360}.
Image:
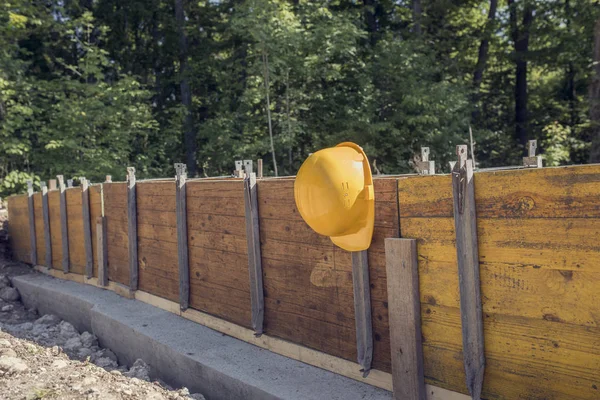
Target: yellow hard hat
{"x":335,"y":197}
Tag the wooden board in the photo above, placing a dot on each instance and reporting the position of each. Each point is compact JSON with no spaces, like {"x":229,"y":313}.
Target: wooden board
{"x":157,"y":252}
{"x":75,"y":229}
{"x":115,"y":210}
{"x":18,"y":227}
{"x":55,"y":230}
{"x":218,"y":253}
{"x":40,"y":242}
{"x":95,"y":212}
{"x":540,"y":277}
{"x":308,"y":281}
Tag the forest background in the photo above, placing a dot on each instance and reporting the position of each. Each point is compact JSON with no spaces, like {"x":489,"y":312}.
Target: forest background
{"x":89,"y":87}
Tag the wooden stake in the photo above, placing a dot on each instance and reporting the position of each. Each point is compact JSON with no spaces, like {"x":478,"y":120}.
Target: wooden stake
{"x":182,"y":236}
{"x":259,"y":172}
{"x":254,"y":256}
{"x":108,"y":179}
{"x":63,"y":223}
{"x":532,"y":161}
{"x":465,"y":223}
{"x":46,"y":215}
{"x":362,"y":310}
{"x":404,"y":310}
{"x":425,"y":167}
{"x":32,"y":238}
{"x":87,"y":229}
{"x":52,"y":183}
{"x":102,"y":251}
{"x":132,"y":229}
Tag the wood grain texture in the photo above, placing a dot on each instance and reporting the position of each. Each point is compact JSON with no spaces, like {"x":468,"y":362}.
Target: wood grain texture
{"x":157,"y":258}
{"x":132,"y":229}
{"x":64,"y":229}
{"x":31,"y":219}
{"x":362,"y":310}
{"x":254,"y":256}
{"x":96,"y":201}
{"x":38,"y":213}
{"x":117,"y":241}
{"x":218,"y":253}
{"x":46,"y":221}
{"x":539,"y":270}
{"x":87,"y":228}
{"x":18,"y":227}
{"x":308,"y":280}
{"x":182,"y":237}
{"x":55,"y":228}
{"x":405,"y":319}
{"x":75,"y":234}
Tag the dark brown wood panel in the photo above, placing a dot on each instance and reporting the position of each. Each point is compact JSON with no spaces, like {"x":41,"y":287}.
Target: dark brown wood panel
{"x":95,"y":212}
{"x":40,"y":242}
{"x":115,"y":211}
{"x":75,"y":231}
{"x":218,"y":252}
{"x":18,"y":227}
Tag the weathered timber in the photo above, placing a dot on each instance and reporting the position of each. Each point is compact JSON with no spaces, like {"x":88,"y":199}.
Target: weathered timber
{"x":254,"y":254}
{"x":425,"y":167}
{"x":182,"y":237}
{"x":39,"y":224}
{"x":87,"y":229}
{"x":102,"y":251}
{"x":32,"y":244}
{"x":465,"y":222}
{"x":405,"y":319}
{"x":52,"y":184}
{"x":132,"y":229}
{"x":63,"y":223}
{"x":362,"y":310}
{"x":532,"y":161}
{"x":46,"y":216}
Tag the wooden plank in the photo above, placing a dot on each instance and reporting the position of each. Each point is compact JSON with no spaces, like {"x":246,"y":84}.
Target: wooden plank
{"x":32,"y":238}
{"x":96,"y":206}
{"x":19,"y":227}
{"x":362,"y":310}
{"x":254,"y":255}
{"x":46,"y":224}
{"x":182,"y":237}
{"x":465,"y":222}
{"x":405,"y":319}
{"x":102,"y":251}
{"x":55,"y":228}
{"x":63,"y":224}
{"x":75,"y":231}
{"x":132,"y":229}
{"x":117,"y":242}
{"x":39,"y":223}
{"x":87,"y":230}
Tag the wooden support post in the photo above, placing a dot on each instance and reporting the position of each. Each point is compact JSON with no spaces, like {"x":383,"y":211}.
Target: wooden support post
{"x":465,"y":225}
{"x":108,"y":179}
{"x":254,"y":257}
{"x":87,"y":229}
{"x":404,"y":310}
{"x":46,"y":217}
{"x":32,"y":238}
{"x":362,"y":310}
{"x":532,"y":161}
{"x":182,"y":236}
{"x":425,"y":167}
{"x":102,"y":251}
{"x":63,"y":223}
{"x":259,"y":169}
{"x":132,"y":229}
{"x":52,"y":183}
{"x":239,"y":171}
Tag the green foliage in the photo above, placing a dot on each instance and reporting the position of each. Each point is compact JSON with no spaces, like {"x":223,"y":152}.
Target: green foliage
{"x":88,"y":88}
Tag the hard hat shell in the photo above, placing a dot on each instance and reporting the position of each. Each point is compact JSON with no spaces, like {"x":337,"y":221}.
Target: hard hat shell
{"x":334,"y":195}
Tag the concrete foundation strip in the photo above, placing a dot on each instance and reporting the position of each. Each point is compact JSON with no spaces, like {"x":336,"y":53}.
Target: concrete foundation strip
{"x":465,"y":225}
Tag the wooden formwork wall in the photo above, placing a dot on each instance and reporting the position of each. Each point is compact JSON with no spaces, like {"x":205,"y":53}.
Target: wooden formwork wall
{"x":95,"y":198}
{"x":157,"y":239}
{"x":218,"y":253}
{"x":75,"y":230}
{"x":117,"y":241}
{"x":308,"y":280}
{"x":18,"y":223}
{"x":539,"y":257}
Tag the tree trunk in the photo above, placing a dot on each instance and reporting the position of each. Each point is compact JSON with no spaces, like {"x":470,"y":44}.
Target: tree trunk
{"x":521,"y":44}
{"x":595,"y":97}
{"x":289,"y":121}
{"x":482,"y":57}
{"x":371,"y":20}
{"x":189,"y":136}
{"x":417,"y":10}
